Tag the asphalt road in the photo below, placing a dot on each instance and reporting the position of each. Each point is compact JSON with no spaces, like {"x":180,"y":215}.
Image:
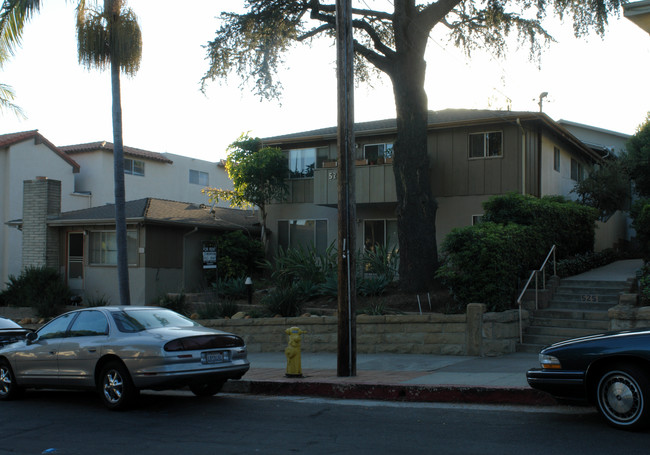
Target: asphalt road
{"x":177,"y":423}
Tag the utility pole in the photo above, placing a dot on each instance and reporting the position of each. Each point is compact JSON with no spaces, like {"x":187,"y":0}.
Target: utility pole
{"x":347,"y":292}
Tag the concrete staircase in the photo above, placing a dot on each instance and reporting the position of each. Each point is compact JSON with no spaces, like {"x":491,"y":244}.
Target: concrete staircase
{"x":578,"y":308}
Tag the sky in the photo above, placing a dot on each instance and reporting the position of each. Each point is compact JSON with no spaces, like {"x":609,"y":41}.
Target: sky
{"x":594,"y":81}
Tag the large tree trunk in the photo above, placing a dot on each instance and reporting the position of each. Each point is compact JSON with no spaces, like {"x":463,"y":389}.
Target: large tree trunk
{"x":416,"y":207}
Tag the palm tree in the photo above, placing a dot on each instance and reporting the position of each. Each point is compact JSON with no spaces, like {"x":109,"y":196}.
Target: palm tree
{"x":107,"y":37}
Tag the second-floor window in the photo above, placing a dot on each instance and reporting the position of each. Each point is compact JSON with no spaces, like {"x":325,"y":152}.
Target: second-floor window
{"x":302,"y":162}
{"x":556,"y":159}
{"x":486,"y":145}
{"x":577,"y":171}
{"x":373,"y":152}
{"x":133,"y":167}
{"x":199,"y":178}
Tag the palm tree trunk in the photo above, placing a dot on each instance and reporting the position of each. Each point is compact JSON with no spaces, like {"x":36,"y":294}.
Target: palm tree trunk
{"x":120,"y":198}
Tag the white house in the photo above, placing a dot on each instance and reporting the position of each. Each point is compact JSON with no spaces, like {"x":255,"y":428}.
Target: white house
{"x":86,"y":175}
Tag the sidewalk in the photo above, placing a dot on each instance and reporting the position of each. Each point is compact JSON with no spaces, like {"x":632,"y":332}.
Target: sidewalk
{"x":407,"y":377}
{"x":398,"y":377}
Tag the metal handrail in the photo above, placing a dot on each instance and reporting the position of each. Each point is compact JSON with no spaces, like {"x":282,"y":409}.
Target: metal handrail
{"x":535,"y":273}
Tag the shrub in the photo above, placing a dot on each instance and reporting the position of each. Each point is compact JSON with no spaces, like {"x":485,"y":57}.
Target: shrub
{"x":372,"y":286}
{"x":566,"y":224}
{"x":176,"y":302}
{"x":94,"y":301}
{"x":644,"y":285}
{"x":41,"y":288}
{"x":379,"y":261}
{"x":302,"y":264}
{"x":484,"y":263}
{"x":283,"y":301}
{"x":231,"y":288}
{"x":641,"y":223}
{"x":581,"y":263}
{"x":216,"y":310}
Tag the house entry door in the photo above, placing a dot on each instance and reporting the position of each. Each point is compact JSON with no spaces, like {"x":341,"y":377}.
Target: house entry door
{"x":76,"y":261}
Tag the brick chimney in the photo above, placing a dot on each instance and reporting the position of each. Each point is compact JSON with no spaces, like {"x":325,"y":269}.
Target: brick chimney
{"x":41,"y":200}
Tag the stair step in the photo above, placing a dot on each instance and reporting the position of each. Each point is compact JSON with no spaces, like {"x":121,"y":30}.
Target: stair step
{"x":586,"y":297}
{"x":544,"y":340}
{"x":593,"y":284}
{"x":569,"y":305}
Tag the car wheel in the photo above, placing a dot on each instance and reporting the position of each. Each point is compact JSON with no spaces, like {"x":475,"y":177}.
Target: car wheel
{"x":116,"y":388}
{"x":621,"y":397}
{"x":8,"y":387}
{"x":206,"y":389}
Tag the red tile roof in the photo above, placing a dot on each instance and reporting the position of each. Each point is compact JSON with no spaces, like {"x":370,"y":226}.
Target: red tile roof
{"x":7,"y":140}
{"x":108,"y":147}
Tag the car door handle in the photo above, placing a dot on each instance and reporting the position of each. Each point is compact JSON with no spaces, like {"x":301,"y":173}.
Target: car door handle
{"x":92,"y":350}
{"x":52,"y":352}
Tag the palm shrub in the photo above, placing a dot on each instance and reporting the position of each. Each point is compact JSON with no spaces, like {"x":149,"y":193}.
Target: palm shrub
{"x":231,"y":288}
{"x":284,"y":301}
{"x":42,"y":288}
{"x":214,"y":310}
{"x":301,"y":264}
{"x":176,"y":302}
{"x":380,"y":261}
{"x":641,"y":223}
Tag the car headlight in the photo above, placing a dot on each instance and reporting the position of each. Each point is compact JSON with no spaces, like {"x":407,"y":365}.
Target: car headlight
{"x":549,"y":362}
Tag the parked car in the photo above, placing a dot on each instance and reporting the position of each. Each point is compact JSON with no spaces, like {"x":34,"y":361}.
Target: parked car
{"x":610,"y":370}
{"x":120,"y":351}
{"x":10,"y":332}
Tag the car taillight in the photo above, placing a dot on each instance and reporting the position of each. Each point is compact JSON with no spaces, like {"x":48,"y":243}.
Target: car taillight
{"x":204,"y":342}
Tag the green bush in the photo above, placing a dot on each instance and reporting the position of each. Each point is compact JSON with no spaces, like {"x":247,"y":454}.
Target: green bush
{"x":237,"y":255}
{"x":176,"y":302}
{"x":94,"y":301}
{"x":566,"y":224}
{"x":644,"y":285}
{"x":581,"y":263}
{"x":231,"y":288}
{"x":641,"y":223}
{"x":283,"y":301}
{"x":41,"y":288}
{"x":379,"y":261}
{"x":301,"y":264}
{"x":486,"y":262}
{"x":215,"y":310}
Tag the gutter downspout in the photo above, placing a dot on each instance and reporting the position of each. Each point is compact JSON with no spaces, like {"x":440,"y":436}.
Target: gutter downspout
{"x":523,"y":157}
{"x":185,"y":236}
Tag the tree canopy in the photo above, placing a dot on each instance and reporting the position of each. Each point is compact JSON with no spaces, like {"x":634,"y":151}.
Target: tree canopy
{"x":638,"y":158}
{"x":393,"y":39}
{"x":258,"y":175}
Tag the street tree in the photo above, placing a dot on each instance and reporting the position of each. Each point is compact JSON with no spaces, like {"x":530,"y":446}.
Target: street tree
{"x":392,"y":39}
{"x":107,"y":37}
{"x":607,"y":188}
{"x":258,"y":175}
{"x":638,"y":158}
{"x":7,"y":94}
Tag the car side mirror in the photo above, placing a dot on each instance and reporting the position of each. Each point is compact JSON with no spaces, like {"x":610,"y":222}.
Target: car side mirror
{"x":31,"y":337}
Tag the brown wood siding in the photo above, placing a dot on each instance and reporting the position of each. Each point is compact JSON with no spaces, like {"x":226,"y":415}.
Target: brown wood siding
{"x":164,"y":247}
{"x":453,"y":173}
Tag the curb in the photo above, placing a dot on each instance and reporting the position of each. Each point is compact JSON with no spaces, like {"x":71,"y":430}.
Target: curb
{"x":396,"y":392}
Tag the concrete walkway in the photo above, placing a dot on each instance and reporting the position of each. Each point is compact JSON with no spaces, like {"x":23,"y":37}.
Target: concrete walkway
{"x":407,"y":377}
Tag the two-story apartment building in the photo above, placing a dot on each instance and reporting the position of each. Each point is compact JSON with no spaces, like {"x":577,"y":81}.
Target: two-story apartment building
{"x":474,"y":155}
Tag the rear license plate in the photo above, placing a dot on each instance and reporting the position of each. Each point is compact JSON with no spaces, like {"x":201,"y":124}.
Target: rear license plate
{"x":215,"y":357}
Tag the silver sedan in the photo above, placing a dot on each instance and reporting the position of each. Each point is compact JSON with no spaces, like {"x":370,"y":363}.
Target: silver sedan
{"x":121,"y":350}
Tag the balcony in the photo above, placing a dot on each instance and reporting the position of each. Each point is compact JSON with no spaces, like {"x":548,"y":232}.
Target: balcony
{"x":374,"y":184}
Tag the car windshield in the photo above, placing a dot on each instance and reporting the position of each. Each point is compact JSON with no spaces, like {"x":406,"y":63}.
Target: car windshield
{"x":138,"y":320}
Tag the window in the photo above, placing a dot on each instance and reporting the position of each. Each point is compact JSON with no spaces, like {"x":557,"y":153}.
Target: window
{"x":103,"y":247}
{"x":577,"y":171}
{"x":133,"y":167}
{"x":199,"y":178}
{"x":556,"y":159}
{"x":89,"y":323}
{"x":56,"y":328}
{"x":379,"y":233}
{"x":485,"y":145}
{"x":302,"y":162}
{"x":303,"y":234}
{"x":372,"y":152}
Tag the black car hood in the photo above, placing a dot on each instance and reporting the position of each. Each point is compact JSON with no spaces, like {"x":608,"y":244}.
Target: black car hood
{"x":598,"y":337}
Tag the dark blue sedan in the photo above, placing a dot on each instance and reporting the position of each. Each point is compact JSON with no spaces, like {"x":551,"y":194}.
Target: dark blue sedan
{"x":610,"y":370}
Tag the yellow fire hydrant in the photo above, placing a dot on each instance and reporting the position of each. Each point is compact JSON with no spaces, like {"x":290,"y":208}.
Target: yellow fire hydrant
{"x":294,"y":367}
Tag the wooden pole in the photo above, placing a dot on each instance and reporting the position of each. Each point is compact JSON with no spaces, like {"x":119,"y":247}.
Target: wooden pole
{"x":347,"y":346}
